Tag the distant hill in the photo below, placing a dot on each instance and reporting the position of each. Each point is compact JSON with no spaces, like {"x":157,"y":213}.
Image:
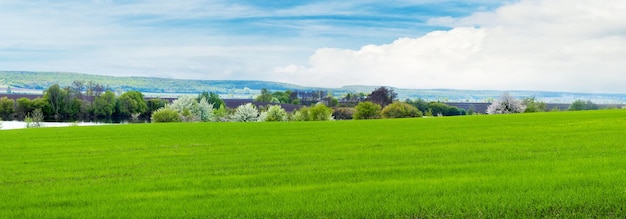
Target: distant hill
{"x":23,"y":81}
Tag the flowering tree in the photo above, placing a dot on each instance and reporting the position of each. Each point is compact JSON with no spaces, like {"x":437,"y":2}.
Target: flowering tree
{"x":274,"y":114}
{"x":245,"y":113}
{"x":192,"y":110}
{"x":506,"y":104}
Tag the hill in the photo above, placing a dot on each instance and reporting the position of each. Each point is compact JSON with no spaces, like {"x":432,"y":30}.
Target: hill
{"x":21,"y":81}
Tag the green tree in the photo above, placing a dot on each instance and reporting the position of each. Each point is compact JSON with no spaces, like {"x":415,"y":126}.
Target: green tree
{"x":577,"y":105}
{"x":419,"y":103}
{"x":533,"y":105}
{"x":24,"y":106}
{"x":104,"y":105}
{"x":211,"y":98}
{"x":266,"y":96}
{"x":367,"y":110}
{"x":56,"y":100}
{"x":131,"y":102}
{"x":7,"y":107}
{"x":320,"y":112}
{"x":154,"y":104}
{"x":583,"y":105}
{"x":399,"y":109}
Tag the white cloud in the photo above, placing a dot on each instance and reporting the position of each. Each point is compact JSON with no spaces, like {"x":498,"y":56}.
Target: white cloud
{"x":568,"y":45}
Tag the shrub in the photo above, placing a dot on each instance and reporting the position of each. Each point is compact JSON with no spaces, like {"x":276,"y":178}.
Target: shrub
{"x":343,"y":113}
{"x":320,"y":112}
{"x":165,"y":114}
{"x":367,"y":110}
{"x":245,"y":113}
{"x":274,"y":114}
{"x":34,"y":120}
{"x":400,"y":110}
{"x":583,"y":105}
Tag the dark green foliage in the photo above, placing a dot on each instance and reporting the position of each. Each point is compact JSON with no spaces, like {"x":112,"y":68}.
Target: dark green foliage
{"x":583,"y":105}
{"x":131,"y":102}
{"x":24,"y":106}
{"x":367,"y":110}
{"x":56,"y":99}
{"x":211,"y":98}
{"x":382,"y":96}
{"x":7,"y":107}
{"x":400,"y":110}
{"x":104,"y":105}
{"x":419,"y":103}
{"x":154,"y":104}
{"x":436,"y":108}
{"x":266,"y":96}
{"x":343,"y":113}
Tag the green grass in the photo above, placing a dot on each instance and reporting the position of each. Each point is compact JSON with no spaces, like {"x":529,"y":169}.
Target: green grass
{"x":569,"y":164}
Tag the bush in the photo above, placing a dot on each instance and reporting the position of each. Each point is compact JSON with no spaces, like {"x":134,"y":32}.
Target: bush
{"x":320,"y":112}
{"x":367,"y":110}
{"x":400,"y":110}
{"x":165,"y":114}
{"x":274,"y":114}
{"x":343,"y":113}
{"x":583,"y":105}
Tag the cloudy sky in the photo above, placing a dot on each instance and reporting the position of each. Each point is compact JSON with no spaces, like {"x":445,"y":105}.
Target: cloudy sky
{"x":559,"y":45}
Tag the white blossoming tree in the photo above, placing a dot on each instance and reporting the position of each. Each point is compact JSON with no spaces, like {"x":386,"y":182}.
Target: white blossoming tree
{"x":274,"y":114}
{"x":245,"y":113}
{"x":506,"y":104}
{"x":192,"y":110}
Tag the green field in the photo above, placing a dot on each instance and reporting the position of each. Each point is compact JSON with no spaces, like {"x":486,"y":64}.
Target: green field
{"x":568,"y":164}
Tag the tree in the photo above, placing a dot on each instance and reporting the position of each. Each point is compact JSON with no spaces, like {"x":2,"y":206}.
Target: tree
{"x":131,"y":102}
{"x":583,"y":105}
{"x":419,"y":103}
{"x":533,"y":105}
{"x":367,"y":110}
{"x":104,"y":105}
{"x":245,"y":113}
{"x":192,"y":110}
{"x":506,"y":104}
{"x":7,"y":107}
{"x":320,"y":112}
{"x":55,"y":97}
{"x":24,"y":106}
{"x":382,"y":96}
{"x":400,"y":110}
{"x":343,"y":113}
{"x":154,"y":104}
{"x":266,"y":96}
{"x":274,"y":113}
{"x":211,"y":98}
{"x":165,"y":114}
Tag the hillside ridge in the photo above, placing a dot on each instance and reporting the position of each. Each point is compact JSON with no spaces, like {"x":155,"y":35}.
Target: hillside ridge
{"x":22,"y":81}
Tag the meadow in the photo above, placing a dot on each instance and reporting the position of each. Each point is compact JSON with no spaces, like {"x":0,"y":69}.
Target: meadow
{"x":561,"y":164}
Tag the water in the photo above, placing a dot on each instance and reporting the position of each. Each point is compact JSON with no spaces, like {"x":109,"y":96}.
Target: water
{"x":7,"y":125}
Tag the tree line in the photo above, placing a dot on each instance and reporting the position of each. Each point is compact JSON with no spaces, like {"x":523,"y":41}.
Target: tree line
{"x":84,"y":100}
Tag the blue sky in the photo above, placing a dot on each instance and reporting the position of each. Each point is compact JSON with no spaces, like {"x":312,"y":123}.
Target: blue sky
{"x":476,"y":44}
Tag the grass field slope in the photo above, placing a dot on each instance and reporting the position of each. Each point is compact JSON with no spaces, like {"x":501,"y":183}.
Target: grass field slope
{"x":565,"y":164}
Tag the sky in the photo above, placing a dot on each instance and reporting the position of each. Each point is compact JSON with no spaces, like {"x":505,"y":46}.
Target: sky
{"x":552,"y":45}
